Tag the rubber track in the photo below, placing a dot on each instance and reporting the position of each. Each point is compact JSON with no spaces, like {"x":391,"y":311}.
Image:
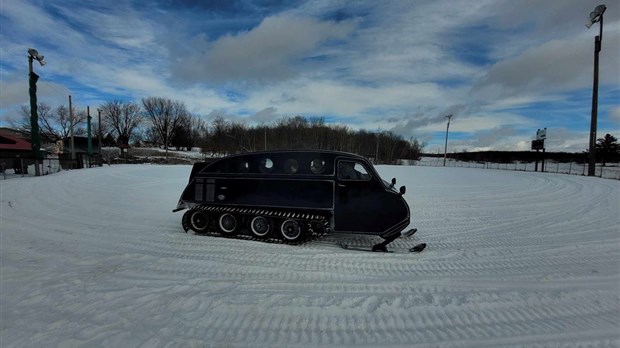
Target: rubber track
{"x":307,"y":218}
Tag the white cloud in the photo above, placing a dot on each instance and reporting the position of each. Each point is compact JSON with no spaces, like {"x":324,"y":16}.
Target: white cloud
{"x":15,"y":92}
{"x":556,"y":66}
{"x":268,"y":52}
{"x":476,"y":123}
{"x":348,"y":102}
{"x":114,"y":23}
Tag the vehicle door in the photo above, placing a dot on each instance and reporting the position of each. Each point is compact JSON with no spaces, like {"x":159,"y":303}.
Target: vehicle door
{"x":356,"y":197}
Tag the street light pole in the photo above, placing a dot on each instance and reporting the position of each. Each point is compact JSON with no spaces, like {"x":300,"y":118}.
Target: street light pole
{"x":34,"y":116}
{"x":445,"y":154}
{"x":595,"y":16}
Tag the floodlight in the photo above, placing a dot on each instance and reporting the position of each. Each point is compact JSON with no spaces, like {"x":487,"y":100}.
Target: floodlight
{"x":34,"y":54}
{"x":595,"y":15}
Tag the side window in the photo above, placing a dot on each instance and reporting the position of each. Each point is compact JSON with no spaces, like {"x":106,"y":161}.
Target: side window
{"x":317,"y":166}
{"x":243,"y":167}
{"x":291,"y":166}
{"x":266,"y":165}
{"x":349,"y":170}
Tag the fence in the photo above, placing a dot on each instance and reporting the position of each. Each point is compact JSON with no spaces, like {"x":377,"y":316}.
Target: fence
{"x":11,"y":167}
{"x":610,"y":171}
{"x":21,"y":167}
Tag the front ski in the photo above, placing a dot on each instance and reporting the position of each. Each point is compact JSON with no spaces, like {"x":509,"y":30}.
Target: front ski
{"x":409,"y":233}
{"x":415,"y":249}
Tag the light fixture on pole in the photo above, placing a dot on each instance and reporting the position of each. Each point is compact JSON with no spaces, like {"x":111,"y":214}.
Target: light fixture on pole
{"x":595,"y":16}
{"x":445,"y":154}
{"x":34,"y":116}
{"x":34,"y":54}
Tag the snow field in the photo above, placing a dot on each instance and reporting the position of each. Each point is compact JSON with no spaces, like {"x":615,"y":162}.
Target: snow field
{"x":95,"y":257}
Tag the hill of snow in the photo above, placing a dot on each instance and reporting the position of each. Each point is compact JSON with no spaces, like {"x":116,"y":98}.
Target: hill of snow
{"x":95,"y":257}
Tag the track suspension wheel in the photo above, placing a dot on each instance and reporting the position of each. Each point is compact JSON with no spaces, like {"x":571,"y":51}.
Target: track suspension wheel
{"x":228,"y":224}
{"x":198,"y":221}
{"x":260,"y":227}
{"x":291,"y":230}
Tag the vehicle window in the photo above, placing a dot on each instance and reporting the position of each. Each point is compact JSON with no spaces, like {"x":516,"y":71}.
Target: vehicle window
{"x":291,"y":166}
{"x":266,"y":165}
{"x":349,"y":170}
{"x":243,"y":167}
{"x":317,"y":166}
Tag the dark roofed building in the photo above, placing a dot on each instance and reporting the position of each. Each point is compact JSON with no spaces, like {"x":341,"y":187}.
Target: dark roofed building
{"x":11,"y":145}
{"x":14,"y":148}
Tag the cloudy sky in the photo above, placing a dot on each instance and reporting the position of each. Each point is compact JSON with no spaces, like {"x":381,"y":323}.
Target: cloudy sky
{"x":502,"y":68}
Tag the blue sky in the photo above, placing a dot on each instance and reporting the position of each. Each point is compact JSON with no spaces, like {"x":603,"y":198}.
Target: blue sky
{"x":503,"y":68}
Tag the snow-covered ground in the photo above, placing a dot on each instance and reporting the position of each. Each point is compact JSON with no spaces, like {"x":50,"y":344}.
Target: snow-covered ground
{"x":608,"y":171}
{"x":95,"y":257}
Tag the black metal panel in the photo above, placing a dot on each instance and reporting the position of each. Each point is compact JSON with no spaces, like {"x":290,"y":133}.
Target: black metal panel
{"x":199,"y":191}
{"x":266,"y":192}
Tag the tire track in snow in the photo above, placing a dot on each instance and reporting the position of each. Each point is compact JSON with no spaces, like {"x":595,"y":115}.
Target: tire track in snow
{"x":496,"y":270}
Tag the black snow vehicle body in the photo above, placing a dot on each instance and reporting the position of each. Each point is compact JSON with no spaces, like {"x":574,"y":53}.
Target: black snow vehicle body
{"x":291,"y":196}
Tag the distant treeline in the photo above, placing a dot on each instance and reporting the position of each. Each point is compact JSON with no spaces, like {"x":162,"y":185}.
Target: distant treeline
{"x":167,"y":123}
{"x":525,"y":156}
{"x":301,"y":133}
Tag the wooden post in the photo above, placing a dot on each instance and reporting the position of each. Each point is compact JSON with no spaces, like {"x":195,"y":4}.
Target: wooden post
{"x":71,"y":131}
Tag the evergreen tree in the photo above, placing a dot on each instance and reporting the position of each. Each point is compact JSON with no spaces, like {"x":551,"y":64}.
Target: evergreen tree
{"x":607,"y":147}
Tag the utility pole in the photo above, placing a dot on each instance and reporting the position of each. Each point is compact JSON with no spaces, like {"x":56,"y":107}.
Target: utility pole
{"x":445,"y":154}
{"x":377,"y":150}
{"x":71,"y":130}
{"x":90,"y":137}
{"x":99,"y":135}
{"x":595,"y":16}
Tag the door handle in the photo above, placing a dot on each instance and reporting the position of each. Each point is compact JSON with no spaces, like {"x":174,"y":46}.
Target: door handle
{"x":342,"y":185}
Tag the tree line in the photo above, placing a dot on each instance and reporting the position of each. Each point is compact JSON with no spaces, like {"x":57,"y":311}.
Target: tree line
{"x":167,"y":123}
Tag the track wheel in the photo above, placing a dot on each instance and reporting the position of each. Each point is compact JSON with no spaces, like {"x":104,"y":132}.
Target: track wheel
{"x":198,"y":221}
{"x":260,"y":227}
{"x":228,"y":224}
{"x":185,"y":221}
{"x":291,"y":231}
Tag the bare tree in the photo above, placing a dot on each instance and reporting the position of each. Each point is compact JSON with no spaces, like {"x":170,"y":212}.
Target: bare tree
{"x":188,"y":132}
{"x":61,"y":119}
{"x":23,"y":123}
{"x":218,"y":135}
{"x":123,"y":117}
{"x":165,"y":115}
{"x":198,"y":130}
{"x":54,"y":124}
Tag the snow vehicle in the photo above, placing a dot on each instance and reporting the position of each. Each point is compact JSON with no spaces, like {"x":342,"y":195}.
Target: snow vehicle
{"x":293,"y":196}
